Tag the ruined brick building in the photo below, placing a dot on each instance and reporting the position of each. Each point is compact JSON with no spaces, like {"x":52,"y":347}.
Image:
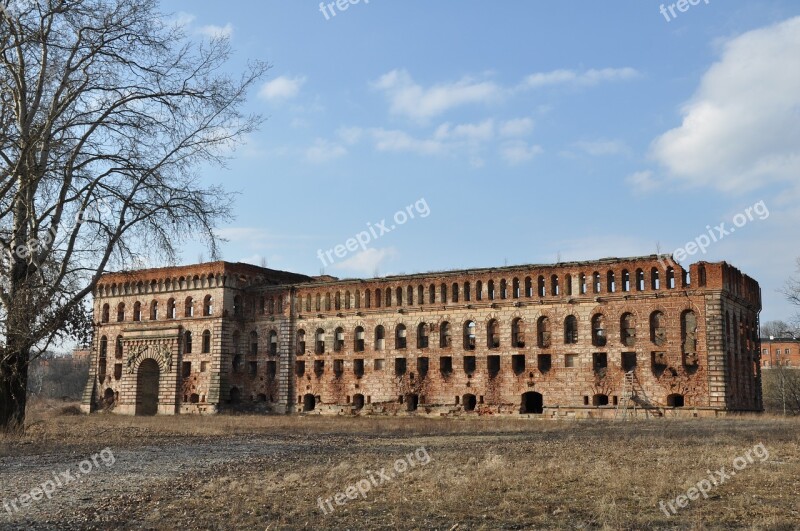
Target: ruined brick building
{"x":570,"y":339}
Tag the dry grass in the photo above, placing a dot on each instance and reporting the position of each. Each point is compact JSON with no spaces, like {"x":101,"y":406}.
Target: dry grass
{"x":497,"y":474}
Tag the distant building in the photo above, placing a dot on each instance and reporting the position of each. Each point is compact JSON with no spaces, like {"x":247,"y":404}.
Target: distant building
{"x":576,"y":339}
{"x":780,"y":352}
{"x":80,"y":354}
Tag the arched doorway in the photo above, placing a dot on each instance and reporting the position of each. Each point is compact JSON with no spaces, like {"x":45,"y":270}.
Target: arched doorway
{"x":358,"y":402}
{"x":532,"y":403}
{"x":108,"y":398}
{"x":147,"y":388}
{"x":470,"y":402}
{"x":309,"y":402}
{"x":412,"y":401}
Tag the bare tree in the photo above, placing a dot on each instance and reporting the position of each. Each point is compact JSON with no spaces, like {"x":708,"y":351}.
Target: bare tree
{"x":107,"y":110}
{"x":792,"y":292}
{"x":777,"y":329}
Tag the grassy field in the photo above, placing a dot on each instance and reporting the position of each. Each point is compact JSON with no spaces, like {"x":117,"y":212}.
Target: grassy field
{"x":250,"y":472}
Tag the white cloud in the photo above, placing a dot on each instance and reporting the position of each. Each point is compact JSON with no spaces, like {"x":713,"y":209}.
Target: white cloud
{"x":324,"y":151}
{"x":516,"y":127}
{"x":518,"y":152}
{"x":350,"y":135}
{"x":407,"y":98}
{"x":586,"y":78}
{"x":213,"y":31}
{"x":602,"y":147}
{"x":368,"y":262}
{"x":472,"y":132}
{"x":281,"y":88}
{"x":740,"y":128}
{"x":400,"y":141}
{"x":643,"y":182}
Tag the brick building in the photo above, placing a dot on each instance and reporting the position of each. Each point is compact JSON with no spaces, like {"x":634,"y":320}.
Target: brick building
{"x":569,"y":339}
{"x":777,"y":351}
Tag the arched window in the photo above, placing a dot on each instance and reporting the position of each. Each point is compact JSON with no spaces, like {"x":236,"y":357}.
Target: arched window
{"x":388,"y":297}
{"x":701,"y":274}
{"x":555,"y":288}
{"x":422,"y":335}
{"x":398,"y":296}
{"x":670,"y":277}
{"x":118,"y":348}
{"x":187,"y":342}
{"x":301,"y":342}
{"x":154,"y":311}
{"x":347,"y":302}
{"x":689,"y":333}
{"x":454,"y":292}
{"x":338,"y":339}
{"x":188,"y":309}
{"x":254,"y":343}
{"x":568,"y":285}
{"x":273,"y":343}
{"x":328,"y":302}
{"x":358,"y":299}
{"x":120,"y":312}
{"x":380,"y":337}
{"x":378,"y":297}
{"x":503,"y":289}
{"x":445,"y":337}
{"x":611,"y":282}
{"x":655,"y":281}
{"x":172,"y":309}
{"x":318,"y":302}
{"x":543,"y":332}
{"x":639,"y":280}
{"x":410,"y":295}
{"x":337,"y":301}
{"x":208,"y":306}
{"x":493,"y":334}
{"x":570,"y":330}
{"x":541,"y":286}
{"x":528,"y":287}
{"x":206,"y":347}
{"x":236,"y":339}
{"x":658,"y":328}
{"x":626,"y":280}
{"x":596,"y":287}
{"x":518,"y":333}
{"x":367,"y":299}
{"x":432,"y":294}
{"x":599,"y":330}
{"x":319,"y":341}
{"x":627,"y":325}
{"x":469,"y":335}
{"x":443,"y":293}
{"x":308,"y":303}
{"x":490,"y":289}
{"x":479,"y":291}
{"x":359,"y":339}
{"x":106,"y":312}
{"x":467,"y":293}
{"x":137,"y":311}
{"x":515,"y":289}
{"x":102,"y":359}
{"x":400,"y":337}
{"x":582,"y":280}
{"x":421,"y":295}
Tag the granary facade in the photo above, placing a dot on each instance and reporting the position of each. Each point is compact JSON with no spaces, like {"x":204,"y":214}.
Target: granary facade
{"x":584,"y":339}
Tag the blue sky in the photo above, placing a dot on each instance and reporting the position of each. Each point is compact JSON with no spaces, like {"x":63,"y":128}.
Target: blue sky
{"x":527,"y":131}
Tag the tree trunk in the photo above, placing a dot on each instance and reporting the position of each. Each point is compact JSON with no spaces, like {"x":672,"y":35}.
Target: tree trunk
{"x":13,"y":379}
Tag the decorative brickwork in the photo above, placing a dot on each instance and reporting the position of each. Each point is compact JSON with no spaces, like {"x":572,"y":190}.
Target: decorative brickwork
{"x":551,"y":340}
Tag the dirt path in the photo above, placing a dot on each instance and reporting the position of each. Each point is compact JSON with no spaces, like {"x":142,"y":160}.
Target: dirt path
{"x":122,"y":474}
